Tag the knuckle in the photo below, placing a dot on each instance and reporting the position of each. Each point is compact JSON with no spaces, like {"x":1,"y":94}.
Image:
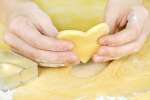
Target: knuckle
{"x":38,"y":44}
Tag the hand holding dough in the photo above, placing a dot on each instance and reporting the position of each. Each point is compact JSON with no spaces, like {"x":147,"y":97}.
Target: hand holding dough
{"x":85,"y":42}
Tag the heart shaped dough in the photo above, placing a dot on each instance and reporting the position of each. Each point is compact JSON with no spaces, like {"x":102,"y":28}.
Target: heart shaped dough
{"x":85,"y":43}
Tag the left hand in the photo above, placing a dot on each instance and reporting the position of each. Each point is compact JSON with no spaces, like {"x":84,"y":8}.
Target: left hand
{"x":130,"y":22}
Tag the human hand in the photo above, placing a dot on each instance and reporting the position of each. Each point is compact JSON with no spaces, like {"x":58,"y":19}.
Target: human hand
{"x":32,"y":34}
{"x":129,"y":26}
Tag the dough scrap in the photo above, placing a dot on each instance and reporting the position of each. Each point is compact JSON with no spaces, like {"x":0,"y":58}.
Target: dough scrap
{"x":85,"y":42}
{"x":88,"y":70}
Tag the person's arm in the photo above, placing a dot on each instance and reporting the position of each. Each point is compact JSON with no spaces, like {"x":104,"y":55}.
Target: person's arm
{"x":31,"y":33}
{"x":128,"y":21}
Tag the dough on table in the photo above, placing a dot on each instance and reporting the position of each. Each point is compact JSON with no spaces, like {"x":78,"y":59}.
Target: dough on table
{"x":123,"y":77}
{"x":88,"y":70}
{"x":128,"y":76}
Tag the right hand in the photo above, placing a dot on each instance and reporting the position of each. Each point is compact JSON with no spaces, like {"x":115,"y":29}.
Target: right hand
{"x":32,"y":34}
{"x":129,"y":27}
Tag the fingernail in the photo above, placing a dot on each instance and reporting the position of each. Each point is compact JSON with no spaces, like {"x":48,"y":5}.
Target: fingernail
{"x":73,"y":59}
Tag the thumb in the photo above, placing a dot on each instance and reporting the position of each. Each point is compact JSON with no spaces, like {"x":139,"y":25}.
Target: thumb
{"x":45,"y":25}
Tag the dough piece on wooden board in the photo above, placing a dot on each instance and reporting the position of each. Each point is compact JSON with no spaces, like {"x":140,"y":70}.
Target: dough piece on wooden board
{"x":121,"y":78}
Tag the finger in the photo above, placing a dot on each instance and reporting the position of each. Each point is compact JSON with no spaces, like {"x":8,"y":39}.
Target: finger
{"x":123,"y":22}
{"x":20,"y":46}
{"x":100,"y":59}
{"x":27,"y":32}
{"x":43,"y":22}
{"x":121,"y":51}
{"x":127,"y":49}
{"x":48,"y":57}
{"x":136,"y":20}
{"x":40,"y":56}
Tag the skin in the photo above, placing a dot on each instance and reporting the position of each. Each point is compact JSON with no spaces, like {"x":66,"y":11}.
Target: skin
{"x":33,"y":34}
{"x":129,"y":24}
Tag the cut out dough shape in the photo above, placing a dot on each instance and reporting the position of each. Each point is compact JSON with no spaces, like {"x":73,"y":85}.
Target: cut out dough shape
{"x":86,"y":43}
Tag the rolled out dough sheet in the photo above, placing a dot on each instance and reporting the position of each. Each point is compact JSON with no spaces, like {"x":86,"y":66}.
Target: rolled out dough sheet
{"x":125,"y":77}
{"x":128,"y":77}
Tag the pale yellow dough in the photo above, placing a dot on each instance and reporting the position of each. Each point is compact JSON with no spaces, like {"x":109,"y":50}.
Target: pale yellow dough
{"x":121,"y":78}
{"x":85,"y":43}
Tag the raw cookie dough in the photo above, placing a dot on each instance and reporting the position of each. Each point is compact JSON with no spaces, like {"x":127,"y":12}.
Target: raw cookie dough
{"x":88,"y":70}
{"x":121,"y":78}
{"x":141,"y":96}
{"x":85,"y":43}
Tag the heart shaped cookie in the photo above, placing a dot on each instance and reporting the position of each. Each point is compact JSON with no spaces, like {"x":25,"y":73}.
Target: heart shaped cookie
{"x":85,"y":43}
